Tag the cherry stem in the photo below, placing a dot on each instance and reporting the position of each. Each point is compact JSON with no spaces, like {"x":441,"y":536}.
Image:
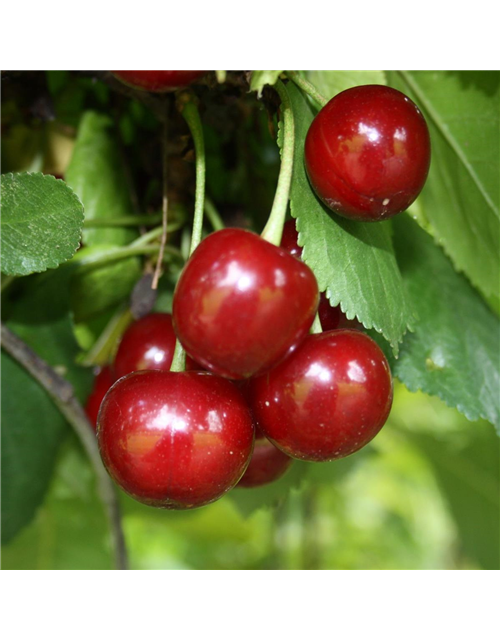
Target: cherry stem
{"x":213,"y":215}
{"x":274,"y":227}
{"x":62,"y":394}
{"x":121,"y":253}
{"x":163,"y":241}
{"x":127,"y":221}
{"x":305,"y":86}
{"x":189,"y":110}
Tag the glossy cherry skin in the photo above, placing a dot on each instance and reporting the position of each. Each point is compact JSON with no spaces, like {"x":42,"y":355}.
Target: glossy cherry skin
{"x":175,"y":440}
{"x":148,"y":343}
{"x":267,"y":464}
{"x":158,"y":81}
{"x":102,"y":382}
{"x":330,"y":317}
{"x":241,"y":304}
{"x":367,"y":153}
{"x":328,"y":399}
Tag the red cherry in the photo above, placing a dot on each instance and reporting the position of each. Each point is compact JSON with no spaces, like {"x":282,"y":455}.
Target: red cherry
{"x":148,"y":343}
{"x":241,"y":304}
{"x":102,"y":382}
{"x":367,"y":153}
{"x":158,"y":80}
{"x":290,"y":240}
{"x":267,"y":464}
{"x":328,"y":399}
{"x":175,"y":440}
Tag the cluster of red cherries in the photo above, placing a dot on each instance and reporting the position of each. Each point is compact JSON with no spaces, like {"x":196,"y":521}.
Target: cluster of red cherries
{"x":259,"y":390}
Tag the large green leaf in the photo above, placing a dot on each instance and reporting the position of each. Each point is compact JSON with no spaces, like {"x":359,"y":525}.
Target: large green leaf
{"x":455,"y":350}
{"x":352,"y":261}
{"x":70,"y":530}
{"x":469,"y":475}
{"x":32,"y":427}
{"x":42,"y":223}
{"x":97,"y":174}
{"x":461,"y":196}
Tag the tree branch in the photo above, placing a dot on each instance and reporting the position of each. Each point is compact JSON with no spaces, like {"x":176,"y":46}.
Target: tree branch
{"x":61,"y":392}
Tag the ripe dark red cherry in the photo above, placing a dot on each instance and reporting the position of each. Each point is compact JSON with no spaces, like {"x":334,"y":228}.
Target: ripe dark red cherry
{"x":328,"y":399}
{"x":267,"y":464}
{"x":241,"y":304}
{"x":148,"y":343}
{"x":175,"y":440}
{"x":367,"y":153}
{"x":102,"y":382}
{"x":158,"y":80}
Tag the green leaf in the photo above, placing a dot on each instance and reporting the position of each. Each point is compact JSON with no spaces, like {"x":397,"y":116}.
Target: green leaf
{"x":249,"y":500}
{"x":454,"y":352}
{"x":32,"y":427}
{"x":96,"y":289}
{"x":261,"y":78}
{"x":468,"y":473}
{"x":70,"y":530}
{"x":461,"y":196}
{"x":42,"y":223}
{"x":97,"y":174}
{"x":354,"y":262}
{"x":329,"y":83}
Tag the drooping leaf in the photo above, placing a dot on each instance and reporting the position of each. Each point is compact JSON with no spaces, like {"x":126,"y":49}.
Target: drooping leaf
{"x":97,"y":174}
{"x":261,"y":78}
{"x":42,"y":223}
{"x":354,"y":262}
{"x":32,"y":427}
{"x":455,"y":350}
{"x":461,"y":196}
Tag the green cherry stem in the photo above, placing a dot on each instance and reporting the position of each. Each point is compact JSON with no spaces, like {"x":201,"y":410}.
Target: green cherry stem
{"x":125,"y":221}
{"x":305,"y":86}
{"x":189,"y":110}
{"x":213,"y":215}
{"x":274,"y":227}
{"x":190,"y":113}
{"x":163,"y":240}
{"x":120,"y":253}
